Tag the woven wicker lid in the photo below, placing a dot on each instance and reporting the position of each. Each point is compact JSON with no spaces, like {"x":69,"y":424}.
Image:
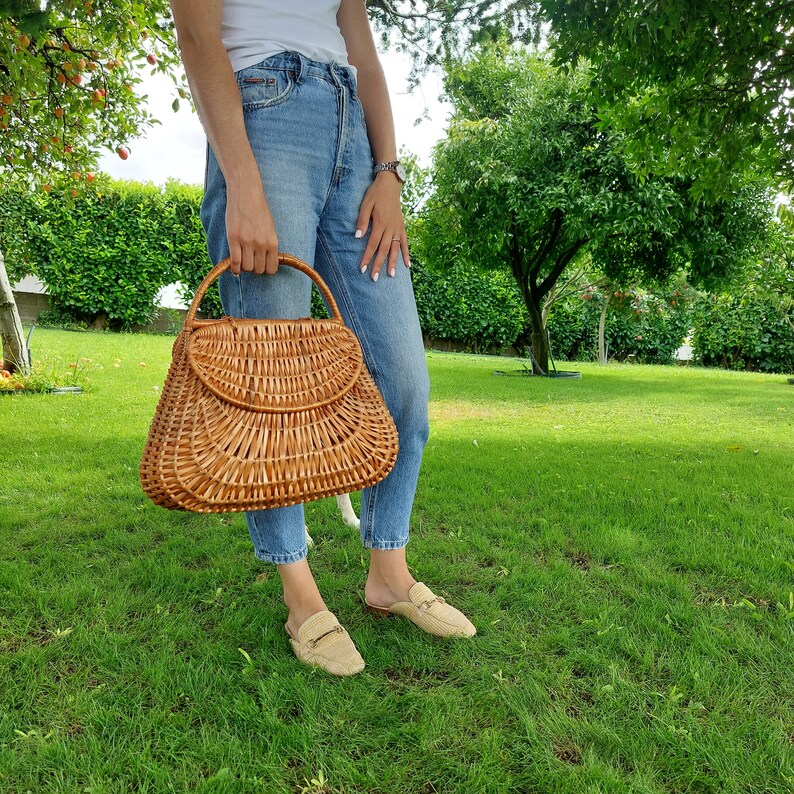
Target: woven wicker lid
{"x":290,"y":365}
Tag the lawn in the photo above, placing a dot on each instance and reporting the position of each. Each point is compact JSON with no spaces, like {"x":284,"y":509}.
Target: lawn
{"x":624,"y":544}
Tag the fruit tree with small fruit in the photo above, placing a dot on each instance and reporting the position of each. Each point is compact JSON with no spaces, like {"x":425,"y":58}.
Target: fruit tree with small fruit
{"x":69,"y":88}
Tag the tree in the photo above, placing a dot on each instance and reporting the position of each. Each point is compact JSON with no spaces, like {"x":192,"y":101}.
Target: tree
{"x":528,"y":181}
{"x":703,"y":88}
{"x":431,"y":30}
{"x":12,"y":342}
{"x":68,"y":79}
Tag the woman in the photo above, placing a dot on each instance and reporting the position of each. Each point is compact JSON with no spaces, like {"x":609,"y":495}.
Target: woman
{"x":295,"y":106}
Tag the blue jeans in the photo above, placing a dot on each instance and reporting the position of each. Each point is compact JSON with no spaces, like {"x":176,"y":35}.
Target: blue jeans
{"x":306,"y":127}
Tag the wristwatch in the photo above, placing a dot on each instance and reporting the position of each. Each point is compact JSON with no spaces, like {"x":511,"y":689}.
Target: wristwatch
{"x":394,"y":166}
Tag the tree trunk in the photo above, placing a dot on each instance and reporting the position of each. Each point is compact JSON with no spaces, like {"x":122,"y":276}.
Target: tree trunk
{"x":540,"y":344}
{"x":15,"y":350}
{"x":602,"y":348}
{"x":534,"y":287}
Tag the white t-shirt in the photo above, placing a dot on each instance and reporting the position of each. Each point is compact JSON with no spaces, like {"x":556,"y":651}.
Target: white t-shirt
{"x":253,"y":30}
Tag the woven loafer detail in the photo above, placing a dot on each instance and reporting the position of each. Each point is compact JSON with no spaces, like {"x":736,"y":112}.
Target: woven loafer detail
{"x":323,"y":642}
{"x":431,"y":613}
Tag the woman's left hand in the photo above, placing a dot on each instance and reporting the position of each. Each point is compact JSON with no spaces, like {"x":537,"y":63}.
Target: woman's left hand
{"x":381,"y":208}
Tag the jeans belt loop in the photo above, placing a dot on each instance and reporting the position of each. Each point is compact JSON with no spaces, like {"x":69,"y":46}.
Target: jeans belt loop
{"x":334,"y":69}
{"x":301,"y":68}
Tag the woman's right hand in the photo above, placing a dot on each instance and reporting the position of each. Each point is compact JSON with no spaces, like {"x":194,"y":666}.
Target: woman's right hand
{"x":253,"y":243}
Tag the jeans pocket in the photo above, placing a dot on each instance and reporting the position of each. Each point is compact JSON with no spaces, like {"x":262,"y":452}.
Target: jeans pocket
{"x":261,"y":87}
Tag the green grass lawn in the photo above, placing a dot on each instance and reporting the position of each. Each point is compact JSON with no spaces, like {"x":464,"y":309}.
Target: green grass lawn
{"x":624,"y":544}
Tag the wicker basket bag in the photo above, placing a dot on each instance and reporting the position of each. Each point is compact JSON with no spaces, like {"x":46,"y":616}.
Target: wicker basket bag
{"x":265,"y":413}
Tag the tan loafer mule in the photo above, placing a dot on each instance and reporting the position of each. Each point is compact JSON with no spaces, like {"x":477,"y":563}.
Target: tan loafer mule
{"x":323,"y":642}
{"x":430,"y":612}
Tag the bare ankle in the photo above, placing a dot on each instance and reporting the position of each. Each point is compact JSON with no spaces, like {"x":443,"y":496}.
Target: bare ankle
{"x":301,"y":595}
{"x":389,"y":579}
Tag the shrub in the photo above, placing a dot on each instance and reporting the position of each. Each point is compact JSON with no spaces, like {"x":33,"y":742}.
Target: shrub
{"x":15,"y":208}
{"x":751,"y":331}
{"x":480,"y":310}
{"x":188,"y":245}
{"x":649,"y":326}
{"x":573,"y":329}
{"x":105,"y":255}
{"x":57,"y":318}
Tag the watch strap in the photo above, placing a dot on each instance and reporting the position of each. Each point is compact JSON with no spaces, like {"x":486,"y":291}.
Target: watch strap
{"x":394,"y":166}
{"x":390,"y":166}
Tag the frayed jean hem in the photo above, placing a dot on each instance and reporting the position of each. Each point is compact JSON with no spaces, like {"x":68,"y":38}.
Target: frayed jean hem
{"x":385,"y":545}
{"x":281,"y":559}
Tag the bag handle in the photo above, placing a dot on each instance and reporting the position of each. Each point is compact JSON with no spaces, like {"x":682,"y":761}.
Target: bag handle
{"x":283,"y":259}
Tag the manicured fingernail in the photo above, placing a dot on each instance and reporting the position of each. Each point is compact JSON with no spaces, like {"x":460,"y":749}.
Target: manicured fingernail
{"x":359,"y":233}
{"x":363,"y":268}
{"x":408,"y":263}
{"x":375,"y":277}
{"x":391,"y":272}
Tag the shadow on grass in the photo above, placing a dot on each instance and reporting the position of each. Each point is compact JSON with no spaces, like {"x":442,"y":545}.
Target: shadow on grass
{"x":614,"y":383}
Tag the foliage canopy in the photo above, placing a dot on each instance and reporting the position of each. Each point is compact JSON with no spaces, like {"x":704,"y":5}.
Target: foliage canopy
{"x":702,"y":86}
{"x":527,"y":181}
{"x":68,"y":78}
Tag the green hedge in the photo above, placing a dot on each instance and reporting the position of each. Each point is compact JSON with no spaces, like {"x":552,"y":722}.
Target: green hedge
{"x":648,"y":326}
{"x":751,"y":331}
{"x":482,"y":311}
{"x":106,"y":254}
{"x":190,"y":261}
{"x":15,"y":209}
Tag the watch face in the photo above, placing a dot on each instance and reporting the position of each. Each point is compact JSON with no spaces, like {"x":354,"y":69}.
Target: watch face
{"x":401,"y":172}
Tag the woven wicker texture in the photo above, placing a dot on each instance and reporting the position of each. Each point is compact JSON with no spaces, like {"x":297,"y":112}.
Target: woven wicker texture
{"x":433,"y":614}
{"x":265,"y":413}
{"x":322,"y":641}
{"x":297,"y":365}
